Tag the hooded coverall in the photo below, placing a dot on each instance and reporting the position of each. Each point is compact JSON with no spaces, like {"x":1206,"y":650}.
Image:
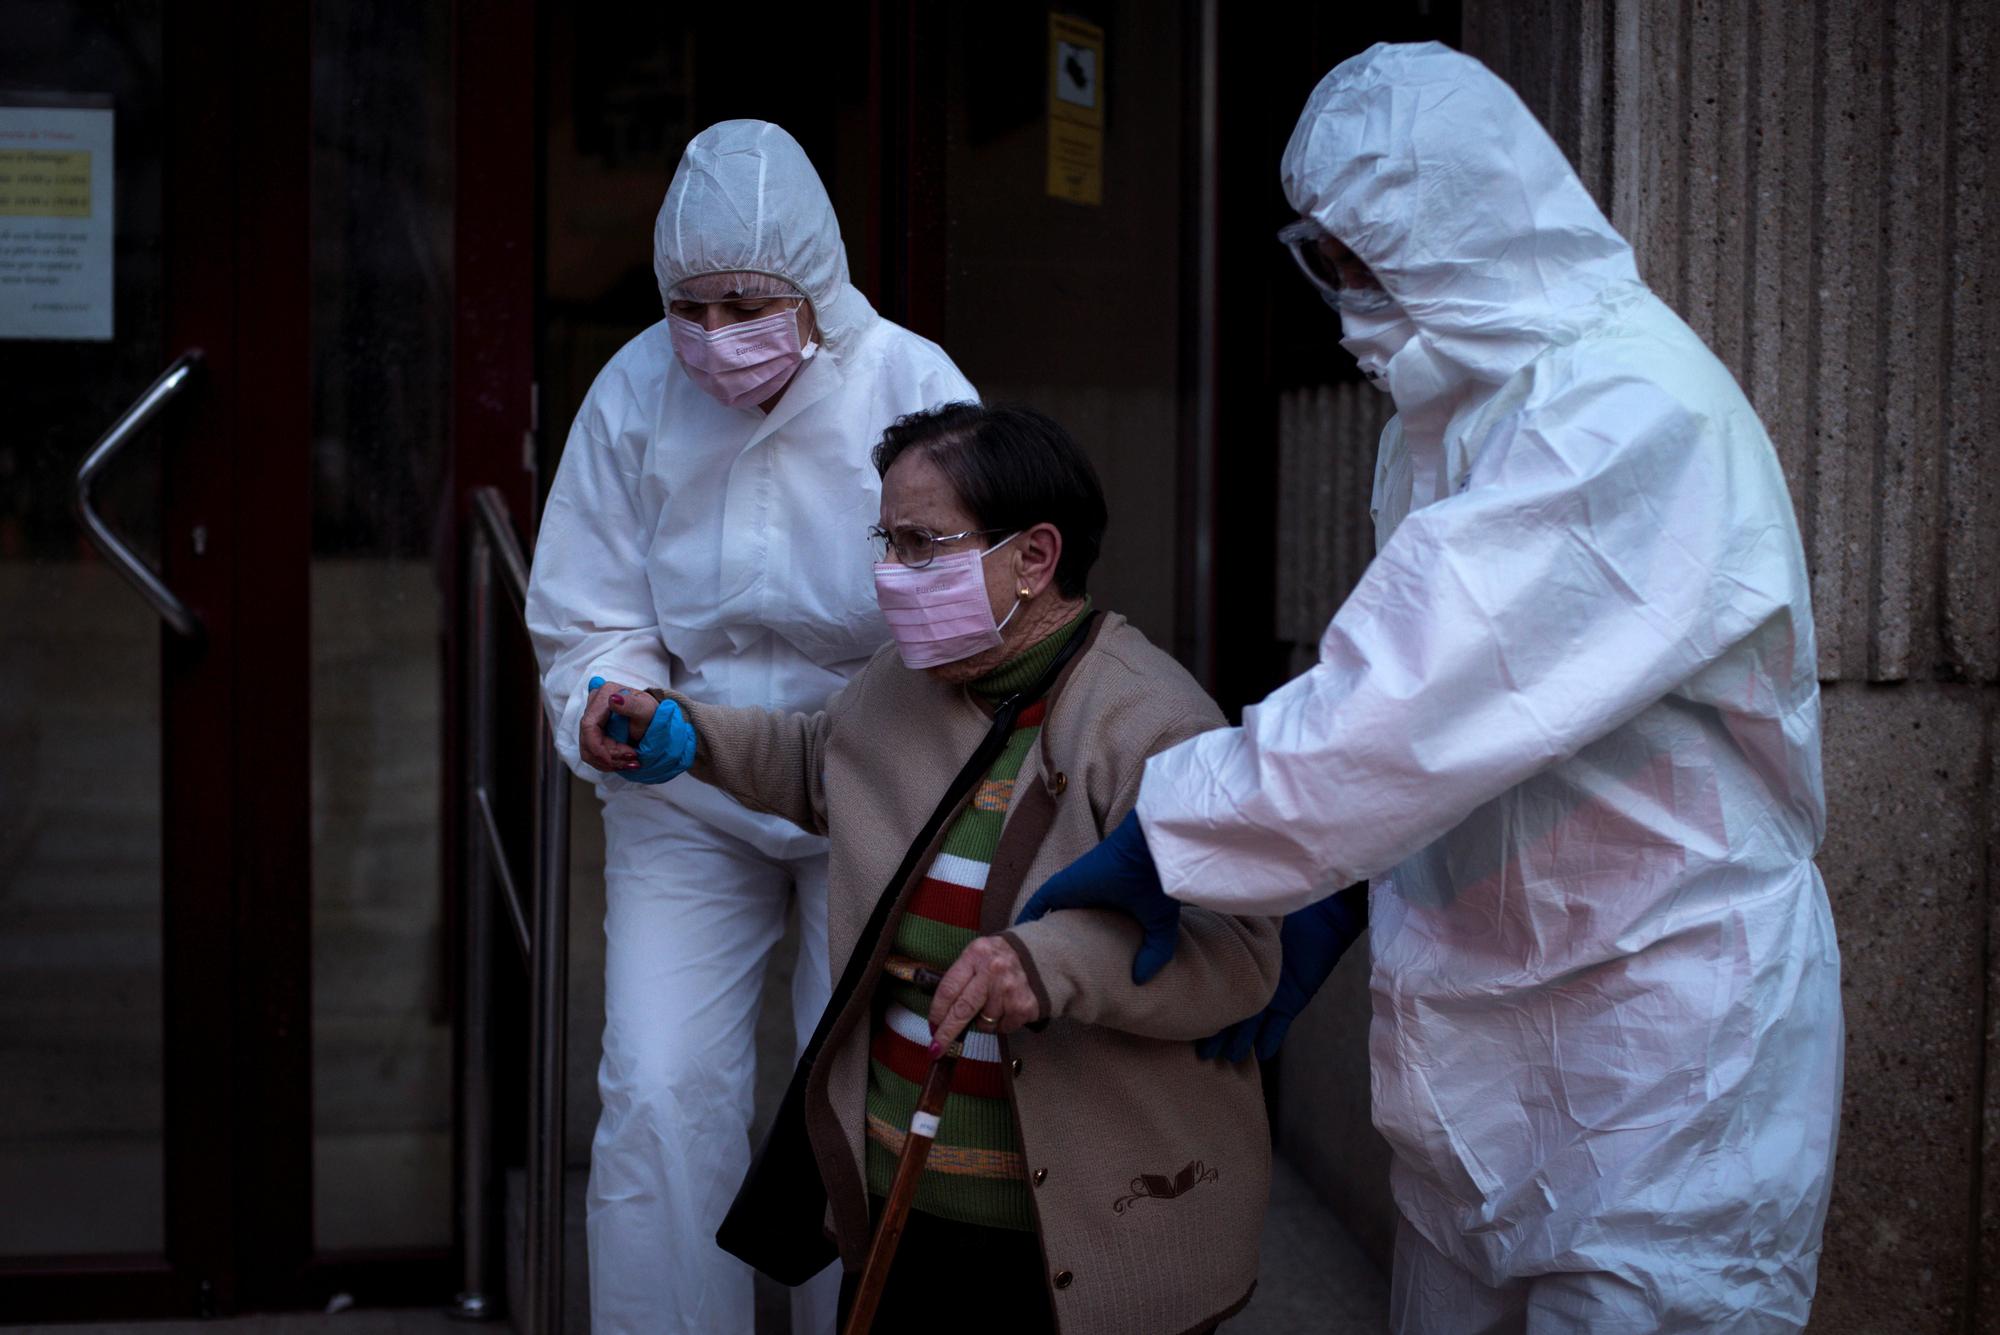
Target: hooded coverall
{"x":723,"y":553}
{"x":1568,"y":724}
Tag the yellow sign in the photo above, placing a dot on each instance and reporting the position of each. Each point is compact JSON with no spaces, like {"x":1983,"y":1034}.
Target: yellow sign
{"x":1076,"y":110}
{"x":35,"y":183}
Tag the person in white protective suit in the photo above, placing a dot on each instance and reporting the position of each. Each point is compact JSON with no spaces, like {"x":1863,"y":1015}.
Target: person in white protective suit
{"x":707,"y":532}
{"x":1567,"y":725}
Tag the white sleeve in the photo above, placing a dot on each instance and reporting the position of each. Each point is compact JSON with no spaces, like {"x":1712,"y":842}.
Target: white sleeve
{"x":590,"y":606}
{"x":1611,"y":545}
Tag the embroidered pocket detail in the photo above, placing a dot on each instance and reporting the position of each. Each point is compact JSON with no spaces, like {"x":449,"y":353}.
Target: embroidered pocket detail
{"x":1156,"y":1186}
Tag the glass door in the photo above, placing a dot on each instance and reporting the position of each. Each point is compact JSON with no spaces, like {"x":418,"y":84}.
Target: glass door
{"x":154,"y":1154}
{"x":82,"y":1100}
{"x":228,"y":240}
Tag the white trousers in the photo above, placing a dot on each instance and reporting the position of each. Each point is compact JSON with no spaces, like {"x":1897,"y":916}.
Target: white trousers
{"x":1431,"y":1294}
{"x":694,"y":907}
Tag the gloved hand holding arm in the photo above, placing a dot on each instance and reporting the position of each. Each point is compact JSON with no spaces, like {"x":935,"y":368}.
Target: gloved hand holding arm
{"x":1313,"y":940}
{"x":646,"y":737}
{"x":1117,"y":874}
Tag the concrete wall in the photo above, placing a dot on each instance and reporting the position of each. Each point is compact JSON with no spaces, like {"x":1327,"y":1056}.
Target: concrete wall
{"x":1807,"y":185}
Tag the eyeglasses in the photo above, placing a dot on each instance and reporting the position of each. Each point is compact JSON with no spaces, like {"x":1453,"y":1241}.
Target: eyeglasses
{"x":917,"y":547}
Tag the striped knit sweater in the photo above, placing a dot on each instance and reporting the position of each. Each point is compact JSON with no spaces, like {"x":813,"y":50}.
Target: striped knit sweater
{"x":974,"y":1172}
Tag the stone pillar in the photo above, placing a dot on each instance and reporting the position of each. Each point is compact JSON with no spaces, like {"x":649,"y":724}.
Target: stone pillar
{"x":1806,"y":183}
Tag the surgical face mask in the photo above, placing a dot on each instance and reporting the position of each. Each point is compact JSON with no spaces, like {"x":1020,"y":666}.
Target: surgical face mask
{"x":1375,"y":332}
{"x":940,"y":614}
{"x":741,"y":364}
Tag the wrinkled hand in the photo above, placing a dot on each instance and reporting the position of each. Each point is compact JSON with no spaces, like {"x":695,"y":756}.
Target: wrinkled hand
{"x":603,"y":737}
{"x":629,"y":733}
{"x":1313,"y":940}
{"x":1118,"y":874}
{"x":986,"y":983}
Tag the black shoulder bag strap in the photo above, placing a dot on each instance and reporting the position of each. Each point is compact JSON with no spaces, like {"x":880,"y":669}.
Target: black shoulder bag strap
{"x":777,"y":1222}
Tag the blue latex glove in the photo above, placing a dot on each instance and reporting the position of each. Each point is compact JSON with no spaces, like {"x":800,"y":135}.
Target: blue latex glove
{"x":1313,"y":940}
{"x":666,"y":750}
{"x":1118,"y":874}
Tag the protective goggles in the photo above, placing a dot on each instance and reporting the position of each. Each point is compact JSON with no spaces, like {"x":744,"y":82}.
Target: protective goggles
{"x":1302,"y":239}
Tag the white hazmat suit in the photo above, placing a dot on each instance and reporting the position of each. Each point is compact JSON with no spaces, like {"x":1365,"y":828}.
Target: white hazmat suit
{"x":1568,"y":723}
{"x":724,"y":553}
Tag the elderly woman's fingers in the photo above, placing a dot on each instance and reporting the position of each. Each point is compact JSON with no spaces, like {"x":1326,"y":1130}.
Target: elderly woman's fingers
{"x":1010,"y":998}
{"x":596,"y":748}
{"x":958,"y":1000}
{"x":590,"y":738}
{"x":985,"y":986}
{"x":637,"y":708}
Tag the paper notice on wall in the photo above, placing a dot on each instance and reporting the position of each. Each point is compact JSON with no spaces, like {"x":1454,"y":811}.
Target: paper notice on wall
{"x":57,"y":221}
{"x":1076,"y":110}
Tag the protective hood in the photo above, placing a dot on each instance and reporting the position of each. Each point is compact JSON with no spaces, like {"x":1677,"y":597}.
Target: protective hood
{"x":746,"y":198}
{"x":1429,"y":168}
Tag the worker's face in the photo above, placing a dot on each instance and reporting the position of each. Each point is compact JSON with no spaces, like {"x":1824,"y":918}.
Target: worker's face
{"x":714,"y":315}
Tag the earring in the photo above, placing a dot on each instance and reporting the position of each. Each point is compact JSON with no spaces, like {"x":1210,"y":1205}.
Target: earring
{"x":1026,"y":593}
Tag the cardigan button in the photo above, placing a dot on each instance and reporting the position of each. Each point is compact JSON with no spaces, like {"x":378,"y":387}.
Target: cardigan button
{"x":1061,"y":782}
{"x":1041,"y":1176}
{"x":1064,"y":1279}
{"x":1015,"y":1065}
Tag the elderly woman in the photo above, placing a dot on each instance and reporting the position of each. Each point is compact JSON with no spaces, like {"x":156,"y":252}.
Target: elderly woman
{"x":1090,"y":1172}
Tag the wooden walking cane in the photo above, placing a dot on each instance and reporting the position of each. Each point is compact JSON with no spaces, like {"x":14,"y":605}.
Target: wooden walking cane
{"x":902,"y":1191}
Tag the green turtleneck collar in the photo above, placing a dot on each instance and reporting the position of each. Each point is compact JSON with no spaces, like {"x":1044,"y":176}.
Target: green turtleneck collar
{"x":1026,"y":667}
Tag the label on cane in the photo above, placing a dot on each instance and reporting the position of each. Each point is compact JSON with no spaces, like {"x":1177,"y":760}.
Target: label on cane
{"x":924,"y":1124}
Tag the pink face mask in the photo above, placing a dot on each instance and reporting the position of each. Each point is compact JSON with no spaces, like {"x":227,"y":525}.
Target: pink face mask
{"x":940,"y":614}
{"x":740,"y":363}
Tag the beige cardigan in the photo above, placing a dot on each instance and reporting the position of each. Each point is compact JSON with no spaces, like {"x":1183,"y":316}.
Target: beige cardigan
{"x":1150,"y":1167}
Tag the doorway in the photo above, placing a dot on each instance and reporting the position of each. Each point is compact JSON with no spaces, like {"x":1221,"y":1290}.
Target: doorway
{"x":225,"y":1038}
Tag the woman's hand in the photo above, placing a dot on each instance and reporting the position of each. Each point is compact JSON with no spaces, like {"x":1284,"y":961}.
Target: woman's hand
{"x":988,"y":985}
{"x":596,"y":739}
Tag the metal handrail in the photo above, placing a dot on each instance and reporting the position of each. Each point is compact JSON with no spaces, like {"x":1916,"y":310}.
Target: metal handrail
{"x":540,"y":929}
